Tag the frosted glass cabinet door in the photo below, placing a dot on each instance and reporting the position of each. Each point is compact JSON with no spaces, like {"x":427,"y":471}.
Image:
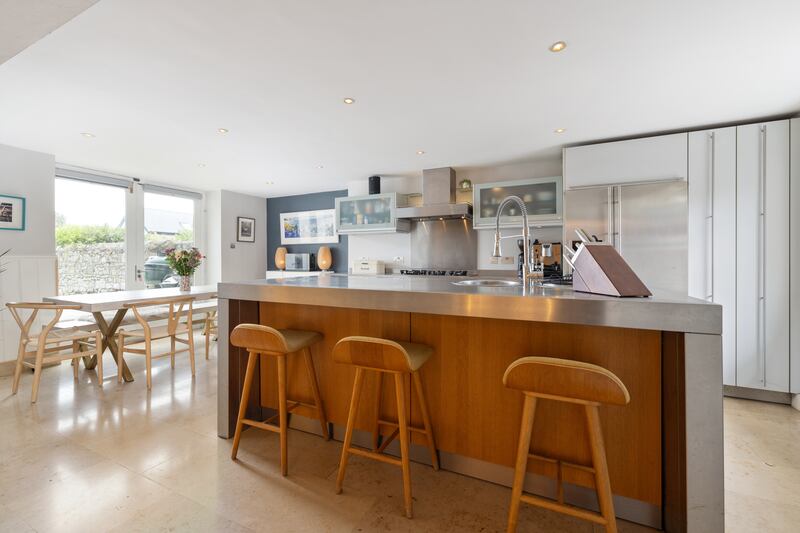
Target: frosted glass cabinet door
{"x":762,"y":252}
{"x":542,"y":198}
{"x":373,"y":213}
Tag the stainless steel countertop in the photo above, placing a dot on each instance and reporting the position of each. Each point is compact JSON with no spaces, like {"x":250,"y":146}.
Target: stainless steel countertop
{"x":662,"y":311}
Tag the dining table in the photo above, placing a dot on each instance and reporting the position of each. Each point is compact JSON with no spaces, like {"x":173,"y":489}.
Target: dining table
{"x":117,"y":301}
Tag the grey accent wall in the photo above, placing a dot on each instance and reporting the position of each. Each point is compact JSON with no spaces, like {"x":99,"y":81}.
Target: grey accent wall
{"x":303,"y":202}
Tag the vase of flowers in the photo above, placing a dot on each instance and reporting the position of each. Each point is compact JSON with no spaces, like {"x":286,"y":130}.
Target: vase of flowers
{"x":184,"y":263}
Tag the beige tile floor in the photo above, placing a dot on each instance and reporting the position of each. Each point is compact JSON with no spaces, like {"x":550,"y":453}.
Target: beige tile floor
{"x":121,"y":459}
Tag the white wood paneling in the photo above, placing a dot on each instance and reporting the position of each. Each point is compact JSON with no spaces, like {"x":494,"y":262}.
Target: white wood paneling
{"x":647,"y":159}
{"x":27,"y":278}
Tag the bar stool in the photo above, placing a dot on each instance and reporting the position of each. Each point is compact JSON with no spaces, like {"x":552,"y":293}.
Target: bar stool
{"x":390,"y":357}
{"x":257,"y":339}
{"x":573,"y":382}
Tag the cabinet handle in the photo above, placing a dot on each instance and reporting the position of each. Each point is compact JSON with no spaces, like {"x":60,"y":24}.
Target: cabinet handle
{"x":710,"y":218}
{"x":761,"y":304}
{"x":612,"y":232}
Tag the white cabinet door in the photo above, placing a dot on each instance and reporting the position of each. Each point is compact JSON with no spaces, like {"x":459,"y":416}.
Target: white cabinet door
{"x":636,"y":160}
{"x":762,"y":252}
{"x":712,"y":230}
{"x":794,"y":261}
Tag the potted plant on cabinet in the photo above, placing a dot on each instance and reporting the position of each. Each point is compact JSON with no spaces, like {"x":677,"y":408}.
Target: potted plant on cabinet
{"x":184,"y":263}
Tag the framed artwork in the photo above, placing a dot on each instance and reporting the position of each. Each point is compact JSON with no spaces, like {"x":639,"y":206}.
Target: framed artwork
{"x":245,"y":229}
{"x":12,"y":212}
{"x":309,"y":227}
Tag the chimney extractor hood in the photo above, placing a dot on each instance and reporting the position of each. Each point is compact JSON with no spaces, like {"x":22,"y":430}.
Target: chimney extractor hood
{"x":438,"y":197}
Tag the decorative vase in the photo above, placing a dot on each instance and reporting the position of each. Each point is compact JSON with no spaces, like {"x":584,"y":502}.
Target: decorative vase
{"x":280,"y":258}
{"x":324,"y":259}
{"x":186,"y":283}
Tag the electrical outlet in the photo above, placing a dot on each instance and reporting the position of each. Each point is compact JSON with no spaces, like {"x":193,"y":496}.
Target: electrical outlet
{"x":507,"y":260}
{"x":398,"y":259}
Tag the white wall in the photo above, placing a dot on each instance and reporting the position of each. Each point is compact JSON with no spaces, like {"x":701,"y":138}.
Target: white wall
{"x":245,"y":260}
{"x":31,"y":265}
{"x":388,"y":246}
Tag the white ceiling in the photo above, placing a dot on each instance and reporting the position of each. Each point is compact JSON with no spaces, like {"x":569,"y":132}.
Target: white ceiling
{"x":470,"y":83}
{"x":23,"y":22}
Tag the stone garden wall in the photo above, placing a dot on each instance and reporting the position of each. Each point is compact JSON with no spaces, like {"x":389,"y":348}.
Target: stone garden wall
{"x":100,"y":267}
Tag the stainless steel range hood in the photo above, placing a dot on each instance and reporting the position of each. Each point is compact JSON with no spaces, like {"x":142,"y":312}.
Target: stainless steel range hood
{"x":438,"y":198}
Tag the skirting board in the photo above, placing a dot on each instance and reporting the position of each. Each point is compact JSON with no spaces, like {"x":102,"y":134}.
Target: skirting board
{"x":757,"y":394}
{"x":625,"y":508}
{"x":7,"y":368}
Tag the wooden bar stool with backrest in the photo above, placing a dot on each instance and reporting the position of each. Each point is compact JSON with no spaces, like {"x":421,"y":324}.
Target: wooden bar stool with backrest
{"x":179,"y":324}
{"x":264,"y":340}
{"x":574,"y":382}
{"x":50,"y":345}
{"x":386,"y":357}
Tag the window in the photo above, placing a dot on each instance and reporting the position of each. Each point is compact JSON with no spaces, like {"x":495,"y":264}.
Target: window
{"x":168,"y":223}
{"x":90,"y":237}
{"x":112,"y":233}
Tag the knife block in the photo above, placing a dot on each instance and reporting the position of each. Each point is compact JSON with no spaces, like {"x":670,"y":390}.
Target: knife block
{"x":599,"y":269}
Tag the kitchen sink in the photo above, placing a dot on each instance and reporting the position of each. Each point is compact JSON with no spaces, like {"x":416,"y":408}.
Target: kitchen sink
{"x":488,"y":283}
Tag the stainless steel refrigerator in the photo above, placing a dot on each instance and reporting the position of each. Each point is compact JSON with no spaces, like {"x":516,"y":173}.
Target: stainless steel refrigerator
{"x":646,"y":223}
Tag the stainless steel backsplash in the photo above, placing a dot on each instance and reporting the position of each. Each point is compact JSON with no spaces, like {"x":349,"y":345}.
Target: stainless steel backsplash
{"x":444,"y":244}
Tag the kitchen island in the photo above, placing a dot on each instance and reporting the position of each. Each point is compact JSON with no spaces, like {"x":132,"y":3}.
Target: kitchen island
{"x":665,"y":461}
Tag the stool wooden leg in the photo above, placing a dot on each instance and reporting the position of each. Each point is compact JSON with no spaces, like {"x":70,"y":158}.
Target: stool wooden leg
{"x":248,"y":380}
{"x":521,"y":467}
{"x":120,"y":353}
{"x":376,"y":429}
{"x":351,"y":422}
{"x":148,"y":360}
{"x":282,"y":414}
{"x":207,"y":332}
{"x":602,"y":481}
{"x":403,"y":427}
{"x":312,"y":377}
{"x":172,"y":351}
{"x":75,"y":368}
{"x":191,"y":348}
{"x":18,"y":367}
{"x":426,"y":419}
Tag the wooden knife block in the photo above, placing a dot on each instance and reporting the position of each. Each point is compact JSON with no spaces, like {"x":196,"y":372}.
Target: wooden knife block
{"x":599,"y":269}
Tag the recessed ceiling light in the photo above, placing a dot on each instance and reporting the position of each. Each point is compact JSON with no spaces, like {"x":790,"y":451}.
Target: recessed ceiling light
{"x":560,"y":130}
{"x":420,"y":152}
{"x":558,"y":46}
{"x":223,"y":131}
{"x":320,"y":166}
{"x":349,"y":101}
{"x":270,"y":183}
{"x":201,"y":165}
{"x":88,"y":135}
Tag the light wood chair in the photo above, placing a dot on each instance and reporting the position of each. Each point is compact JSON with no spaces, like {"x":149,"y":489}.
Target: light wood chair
{"x":179,"y":323}
{"x":51,"y":345}
{"x":574,"y":382}
{"x":210,"y":327}
{"x":264,"y":340}
{"x":370,"y":354}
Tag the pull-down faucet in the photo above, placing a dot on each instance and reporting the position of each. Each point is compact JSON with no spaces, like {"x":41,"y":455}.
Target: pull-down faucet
{"x":528,"y":273}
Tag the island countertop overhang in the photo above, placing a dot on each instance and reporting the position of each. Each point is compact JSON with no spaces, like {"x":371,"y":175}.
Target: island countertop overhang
{"x":440,"y":296}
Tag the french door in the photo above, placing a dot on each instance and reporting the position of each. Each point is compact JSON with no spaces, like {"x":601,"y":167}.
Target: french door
{"x":112,"y":233}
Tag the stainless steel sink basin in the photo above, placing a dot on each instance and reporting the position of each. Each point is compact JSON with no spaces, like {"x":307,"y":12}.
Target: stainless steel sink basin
{"x":488,"y":283}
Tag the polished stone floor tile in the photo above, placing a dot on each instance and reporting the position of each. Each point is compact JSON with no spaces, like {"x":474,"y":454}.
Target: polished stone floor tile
{"x":124,"y":459}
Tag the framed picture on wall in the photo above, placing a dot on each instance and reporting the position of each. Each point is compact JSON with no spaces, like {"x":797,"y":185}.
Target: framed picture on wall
{"x":12,"y":212}
{"x":245,"y":229}
{"x":309,"y":227}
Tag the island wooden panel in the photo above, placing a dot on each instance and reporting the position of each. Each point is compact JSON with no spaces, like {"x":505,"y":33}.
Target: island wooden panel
{"x":473,"y":414}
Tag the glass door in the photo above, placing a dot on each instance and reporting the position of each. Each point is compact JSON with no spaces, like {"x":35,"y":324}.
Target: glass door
{"x":168,"y":224}
{"x":90,"y":237}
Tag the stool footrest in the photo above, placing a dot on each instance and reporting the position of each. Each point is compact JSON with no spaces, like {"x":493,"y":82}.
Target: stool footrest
{"x":374,"y":455}
{"x":260,"y":425}
{"x":563,"y":508}
{"x":560,"y":463}
{"x":396,"y":425}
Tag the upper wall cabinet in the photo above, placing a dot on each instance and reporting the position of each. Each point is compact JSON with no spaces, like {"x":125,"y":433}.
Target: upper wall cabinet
{"x":648,"y":159}
{"x":375,"y":213}
{"x":542,"y":198}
